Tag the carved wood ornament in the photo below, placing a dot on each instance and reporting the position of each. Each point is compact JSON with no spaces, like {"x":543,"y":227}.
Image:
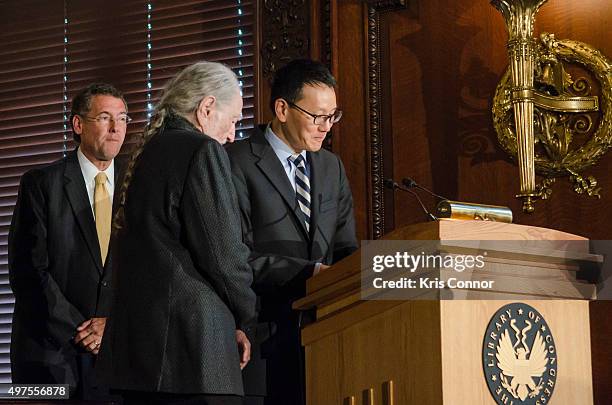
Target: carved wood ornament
{"x":285,"y":28}
{"x":375,"y":8}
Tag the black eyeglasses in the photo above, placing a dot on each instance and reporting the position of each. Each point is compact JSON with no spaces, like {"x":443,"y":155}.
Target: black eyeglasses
{"x":320,"y":120}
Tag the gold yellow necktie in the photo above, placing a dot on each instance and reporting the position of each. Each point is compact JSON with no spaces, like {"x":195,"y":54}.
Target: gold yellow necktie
{"x":102,"y":211}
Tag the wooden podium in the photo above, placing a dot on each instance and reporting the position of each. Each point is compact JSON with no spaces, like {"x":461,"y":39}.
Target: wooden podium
{"x":431,"y":352}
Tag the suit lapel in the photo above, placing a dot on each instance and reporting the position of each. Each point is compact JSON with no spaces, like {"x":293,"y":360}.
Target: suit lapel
{"x":272,"y":168}
{"x":316,"y":180}
{"x":74,"y":186}
{"x":317,"y":183}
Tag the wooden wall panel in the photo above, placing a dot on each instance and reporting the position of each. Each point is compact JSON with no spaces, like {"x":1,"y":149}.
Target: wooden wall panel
{"x":601,"y":347}
{"x":349,"y":140}
{"x":445,"y":60}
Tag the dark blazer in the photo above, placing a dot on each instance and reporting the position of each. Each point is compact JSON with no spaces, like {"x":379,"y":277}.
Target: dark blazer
{"x":182,"y":281}
{"x":56,"y":273}
{"x":283,"y":253}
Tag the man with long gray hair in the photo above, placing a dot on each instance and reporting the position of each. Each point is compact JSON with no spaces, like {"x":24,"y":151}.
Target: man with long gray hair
{"x":182,"y":283}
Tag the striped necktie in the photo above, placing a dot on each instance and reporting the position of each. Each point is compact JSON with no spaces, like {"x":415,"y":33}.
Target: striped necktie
{"x":302,"y":187}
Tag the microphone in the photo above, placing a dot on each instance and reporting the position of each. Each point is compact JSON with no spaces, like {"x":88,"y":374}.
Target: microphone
{"x":458,"y":209}
{"x":390,"y":183}
{"x":410,"y":183}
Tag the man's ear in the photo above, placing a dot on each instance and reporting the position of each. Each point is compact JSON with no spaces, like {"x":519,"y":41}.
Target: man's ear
{"x":77,"y":124}
{"x":205,"y":108}
{"x":281,"y":109}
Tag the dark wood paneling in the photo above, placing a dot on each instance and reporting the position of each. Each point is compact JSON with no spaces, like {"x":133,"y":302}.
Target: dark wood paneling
{"x":283,"y":35}
{"x":350,"y":138}
{"x":601,"y":348}
{"x":445,"y":60}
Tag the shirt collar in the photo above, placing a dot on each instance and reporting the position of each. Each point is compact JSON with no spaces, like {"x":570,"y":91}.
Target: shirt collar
{"x":90,"y":171}
{"x":282,"y":150}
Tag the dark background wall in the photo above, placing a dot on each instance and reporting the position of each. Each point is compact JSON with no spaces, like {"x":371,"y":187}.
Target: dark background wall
{"x":440,"y":62}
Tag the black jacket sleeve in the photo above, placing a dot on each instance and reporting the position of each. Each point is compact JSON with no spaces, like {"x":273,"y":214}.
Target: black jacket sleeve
{"x":345,"y":240}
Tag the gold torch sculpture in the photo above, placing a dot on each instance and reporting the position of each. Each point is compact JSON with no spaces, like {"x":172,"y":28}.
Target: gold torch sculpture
{"x":545,"y":110}
{"x":520,"y":18}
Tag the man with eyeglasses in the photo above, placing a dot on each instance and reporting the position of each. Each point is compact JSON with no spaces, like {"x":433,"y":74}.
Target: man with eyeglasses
{"x":297,"y":215}
{"x":59,"y":260}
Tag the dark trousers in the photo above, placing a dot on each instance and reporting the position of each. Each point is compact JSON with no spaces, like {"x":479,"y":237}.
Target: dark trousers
{"x":162,"y":398}
{"x":89,"y":388}
{"x":275,"y":374}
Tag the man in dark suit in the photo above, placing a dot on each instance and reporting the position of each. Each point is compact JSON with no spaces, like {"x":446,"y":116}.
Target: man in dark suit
{"x":59,"y":265}
{"x":182,"y":283}
{"x":297,"y":218}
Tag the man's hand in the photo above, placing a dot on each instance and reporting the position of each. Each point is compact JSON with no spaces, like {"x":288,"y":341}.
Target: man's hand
{"x":321,"y":267}
{"x":244,"y":347}
{"x":89,"y":334}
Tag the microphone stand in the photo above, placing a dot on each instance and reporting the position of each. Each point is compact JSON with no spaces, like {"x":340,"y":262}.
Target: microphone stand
{"x":390,"y":183}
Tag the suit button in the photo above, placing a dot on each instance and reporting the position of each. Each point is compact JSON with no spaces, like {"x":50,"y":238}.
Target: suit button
{"x":104,"y":284}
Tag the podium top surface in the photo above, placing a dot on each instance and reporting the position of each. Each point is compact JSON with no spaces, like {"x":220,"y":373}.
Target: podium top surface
{"x":448,"y":229}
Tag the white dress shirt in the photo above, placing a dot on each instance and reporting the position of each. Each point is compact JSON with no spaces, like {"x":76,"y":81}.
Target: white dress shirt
{"x":90,"y":171}
{"x":283,"y":152}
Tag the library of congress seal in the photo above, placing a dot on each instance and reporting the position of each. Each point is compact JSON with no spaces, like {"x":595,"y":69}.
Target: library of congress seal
{"x":519,"y":356}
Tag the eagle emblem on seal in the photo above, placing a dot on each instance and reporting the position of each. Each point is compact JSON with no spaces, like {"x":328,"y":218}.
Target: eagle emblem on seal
{"x":520,"y":364}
